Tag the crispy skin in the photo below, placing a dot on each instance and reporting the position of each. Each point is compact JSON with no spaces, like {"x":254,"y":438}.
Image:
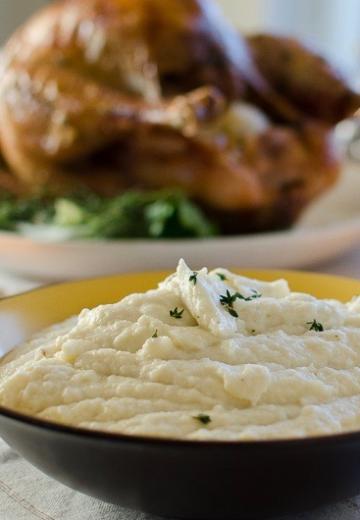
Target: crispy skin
{"x":84,"y":74}
{"x":311,"y":87}
{"x":119,"y":94}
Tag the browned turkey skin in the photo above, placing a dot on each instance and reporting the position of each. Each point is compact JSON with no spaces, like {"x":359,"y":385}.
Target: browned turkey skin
{"x":120,"y":94}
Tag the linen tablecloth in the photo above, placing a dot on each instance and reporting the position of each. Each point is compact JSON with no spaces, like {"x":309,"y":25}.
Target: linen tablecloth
{"x":27,"y":494}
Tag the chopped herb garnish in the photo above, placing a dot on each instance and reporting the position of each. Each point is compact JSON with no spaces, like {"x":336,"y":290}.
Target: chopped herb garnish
{"x":228,"y":299}
{"x":155,"y":335}
{"x":254,"y":296}
{"x":316,"y":326}
{"x":221,"y":276}
{"x":176,"y":313}
{"x":204,"y":419}
{"x":193,"y":278}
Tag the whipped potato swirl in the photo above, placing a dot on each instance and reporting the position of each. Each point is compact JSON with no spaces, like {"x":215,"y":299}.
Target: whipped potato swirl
{"x":206,"y":356}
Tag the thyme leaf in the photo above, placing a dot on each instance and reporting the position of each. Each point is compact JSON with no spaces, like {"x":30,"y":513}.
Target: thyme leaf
{"x":254,"y":296}
{"x":232,"y":312}
{"x":193,"y":278}
{"x":316,"y":326}
{"x":228,"y":299}
{"x":176,"y":313}
{"x":203,"y":418}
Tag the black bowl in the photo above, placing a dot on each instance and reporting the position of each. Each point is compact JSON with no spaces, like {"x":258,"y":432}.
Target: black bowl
{"x":197,"y":480}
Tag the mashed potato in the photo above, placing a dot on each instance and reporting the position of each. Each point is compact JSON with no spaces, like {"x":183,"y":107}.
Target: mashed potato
{"x":206,"y":355}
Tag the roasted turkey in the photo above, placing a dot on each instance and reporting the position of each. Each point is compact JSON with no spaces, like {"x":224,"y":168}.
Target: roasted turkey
{"x":147,"y":94}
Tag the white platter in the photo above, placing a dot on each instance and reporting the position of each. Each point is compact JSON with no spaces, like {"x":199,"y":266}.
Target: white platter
{"x":330,"y":227}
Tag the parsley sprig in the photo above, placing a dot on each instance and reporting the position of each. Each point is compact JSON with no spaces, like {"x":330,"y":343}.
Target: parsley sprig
{"x":176,"y":313}
{"x":316,"y":326}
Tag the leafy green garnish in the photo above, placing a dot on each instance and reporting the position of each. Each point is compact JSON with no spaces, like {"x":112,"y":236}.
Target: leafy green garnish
{"x":155,"y":335}
{"x":203,"y":418}
{"x":12,"y":212}
{"x":69,"y":213}
{"x":221,"y":276}
{"x":316,"y":326}
{"x":176,"y":313}
{"x":135,"y":214}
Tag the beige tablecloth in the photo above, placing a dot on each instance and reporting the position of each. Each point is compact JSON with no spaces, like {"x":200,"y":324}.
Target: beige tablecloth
{"x":27,"y":494}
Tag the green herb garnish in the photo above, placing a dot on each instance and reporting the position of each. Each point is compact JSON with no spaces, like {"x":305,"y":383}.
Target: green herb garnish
{"x":254,"y":296}
{"x":155,"y":335}
{"x":176,"y":313}
{"x":316,"y":326}
{"x":228,"y":299}
{"x":221,"y":276}
{"x":134,"y":214}
{"x":203,"y":418}
{"x":193,"y":278}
